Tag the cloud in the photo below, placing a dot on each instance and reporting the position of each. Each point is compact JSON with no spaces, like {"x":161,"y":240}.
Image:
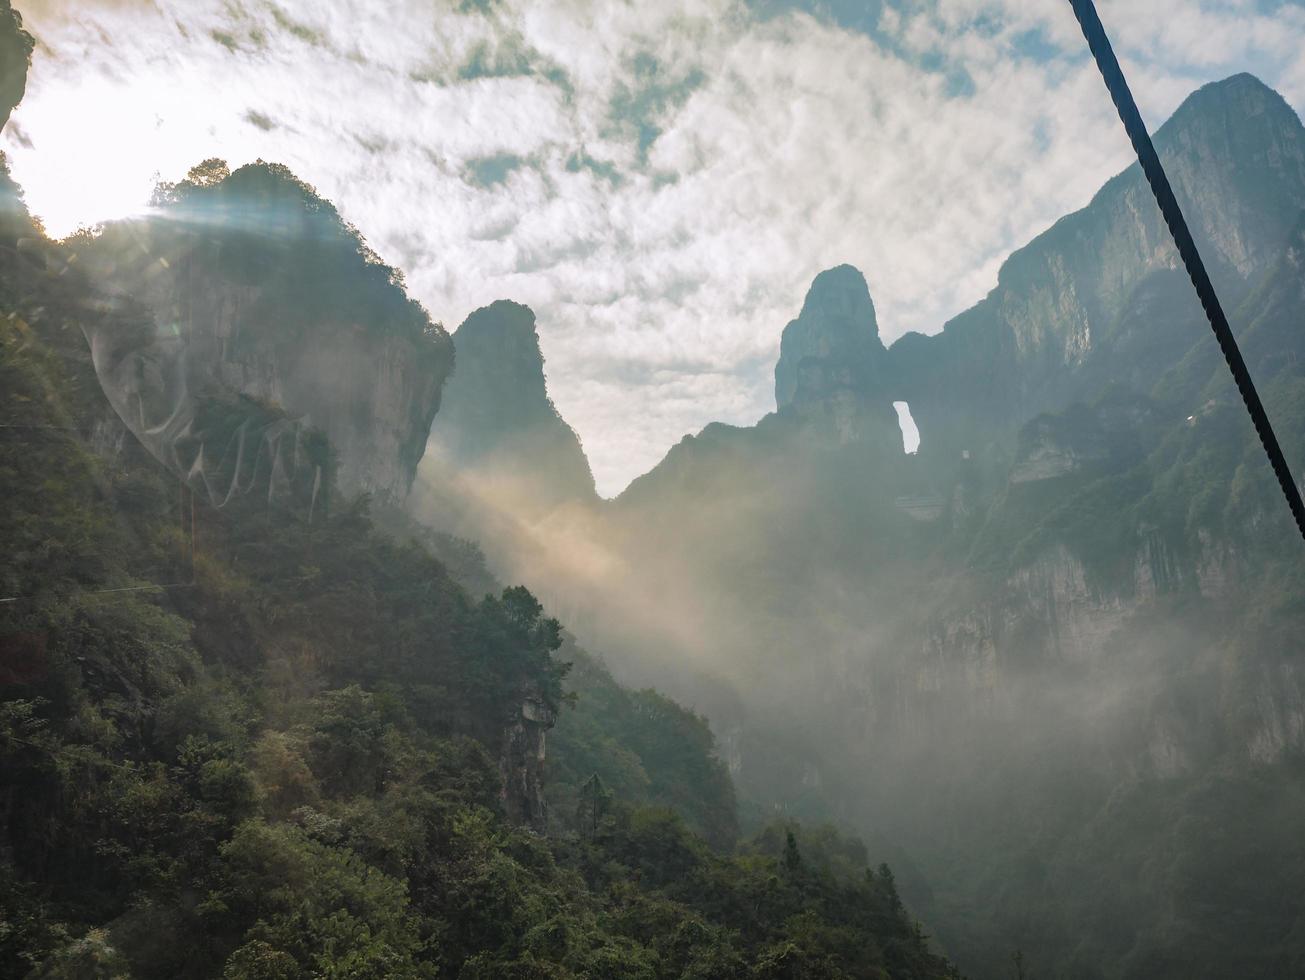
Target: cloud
{"x":263,"y":122}
{"x":659,"y":181}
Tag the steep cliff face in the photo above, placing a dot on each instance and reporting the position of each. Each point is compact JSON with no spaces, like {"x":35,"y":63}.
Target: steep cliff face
{"x":1235,"y":154}
{"x":255,"y":286}
{"x":1051,"y":446}
{"x":834,"y":342}
{"x":15,"y":55}
{"x":501,"y":466}
{"x":1054,"y":613}
{"x":497,"y":419}
{"x":1272,"y":342}
{"x":521,"y":763}
{"x":832,"y":364}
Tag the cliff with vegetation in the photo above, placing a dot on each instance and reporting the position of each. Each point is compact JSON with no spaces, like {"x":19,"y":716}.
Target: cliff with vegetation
{"x":1098,"y":626}
{"x":15,"y":54}
{"x":1059,"y":637}
{"x":254,"y":285}
{"x":259,"y":721}
{"x":250,"y":734}
{"x":268,"y":739}
{"x":498,"y":423}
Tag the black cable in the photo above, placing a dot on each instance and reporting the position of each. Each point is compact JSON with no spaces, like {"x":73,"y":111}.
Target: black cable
{"x":1086,"y":12}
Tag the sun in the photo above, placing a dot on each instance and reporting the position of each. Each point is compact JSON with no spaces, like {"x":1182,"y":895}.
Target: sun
{"x":80,"y":159}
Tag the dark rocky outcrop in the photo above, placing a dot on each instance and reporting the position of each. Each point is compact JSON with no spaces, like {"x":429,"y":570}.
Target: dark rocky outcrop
{"x":521,"y":763}
{"x":834,"y":342}
{"x":1065,"y":313}
{"x":15,"y":57}
{"x":497,"y":419}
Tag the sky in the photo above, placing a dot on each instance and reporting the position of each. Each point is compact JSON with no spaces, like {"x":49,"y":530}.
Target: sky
{"x":660,"y":181}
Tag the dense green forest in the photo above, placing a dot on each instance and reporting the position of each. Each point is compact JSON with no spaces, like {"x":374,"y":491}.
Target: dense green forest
{"x":271,"y":740}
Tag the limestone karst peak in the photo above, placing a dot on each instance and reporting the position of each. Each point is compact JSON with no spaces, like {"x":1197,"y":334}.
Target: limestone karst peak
{"x":1243,"y":93}
{"x":502,"y":321}
{"x":497,"y":415}
{"x":833,"y":344}
{"x":497,"y":356}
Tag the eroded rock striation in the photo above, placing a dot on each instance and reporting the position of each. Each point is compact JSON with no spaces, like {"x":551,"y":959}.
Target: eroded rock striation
{"x":1078,"y":603}
{"x":498,"y":422}
{"x":521,"y":762}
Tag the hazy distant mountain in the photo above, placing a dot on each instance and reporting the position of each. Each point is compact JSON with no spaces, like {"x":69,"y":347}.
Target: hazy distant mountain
{"x":830,"y":380}
{"x":1054,"y":651}
{"x":497,"y":417}
{"x":15,"y":51}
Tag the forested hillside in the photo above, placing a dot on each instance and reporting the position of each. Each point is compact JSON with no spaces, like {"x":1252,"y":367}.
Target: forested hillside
{"x":322,"y":657}
{"x":250,"y":735}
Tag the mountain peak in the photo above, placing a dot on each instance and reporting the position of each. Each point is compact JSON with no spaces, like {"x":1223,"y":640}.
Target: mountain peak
{"x":498,"y":373}
{"x":1239,"y":114}
{"x":834,"y":342}
{"x":1236,"y":89}
{"x":496,"y":413}
{"x":841,"y":292}
{"x":831,"y":363}
{"x":1237,"y":109}
{"x":504,"y":319}
{"x":498,"y":346}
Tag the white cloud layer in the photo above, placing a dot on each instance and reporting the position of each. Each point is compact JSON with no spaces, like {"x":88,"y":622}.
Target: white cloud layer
{"x":659,"y":181}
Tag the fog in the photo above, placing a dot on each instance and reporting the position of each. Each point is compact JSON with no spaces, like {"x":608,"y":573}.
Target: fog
{"x":1028,"y":672}
{"x":1015,"y":670}
{"x":1029,"y":626}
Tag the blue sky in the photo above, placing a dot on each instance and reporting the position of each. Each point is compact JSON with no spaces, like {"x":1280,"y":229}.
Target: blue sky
{"x":660,"y":182}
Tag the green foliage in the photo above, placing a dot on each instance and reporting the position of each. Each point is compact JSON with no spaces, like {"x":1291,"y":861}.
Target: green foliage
{"x":322,"y":908}
{"x":282,"y":761}
{"x":643,"y":748}
{"x":262,"y":225}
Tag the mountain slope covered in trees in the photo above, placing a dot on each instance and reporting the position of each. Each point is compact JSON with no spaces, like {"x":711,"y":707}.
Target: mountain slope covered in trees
{"x":288,"y":759}
{"x":250,"y":735}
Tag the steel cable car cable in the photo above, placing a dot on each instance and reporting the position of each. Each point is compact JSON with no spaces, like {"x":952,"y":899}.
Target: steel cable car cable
{"x":1099,"y":43}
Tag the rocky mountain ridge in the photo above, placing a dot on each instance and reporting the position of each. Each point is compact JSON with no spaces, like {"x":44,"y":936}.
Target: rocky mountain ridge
{"x":1077,"y":600}
{"x":832,"y":363}
{"x":497,"y":418}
